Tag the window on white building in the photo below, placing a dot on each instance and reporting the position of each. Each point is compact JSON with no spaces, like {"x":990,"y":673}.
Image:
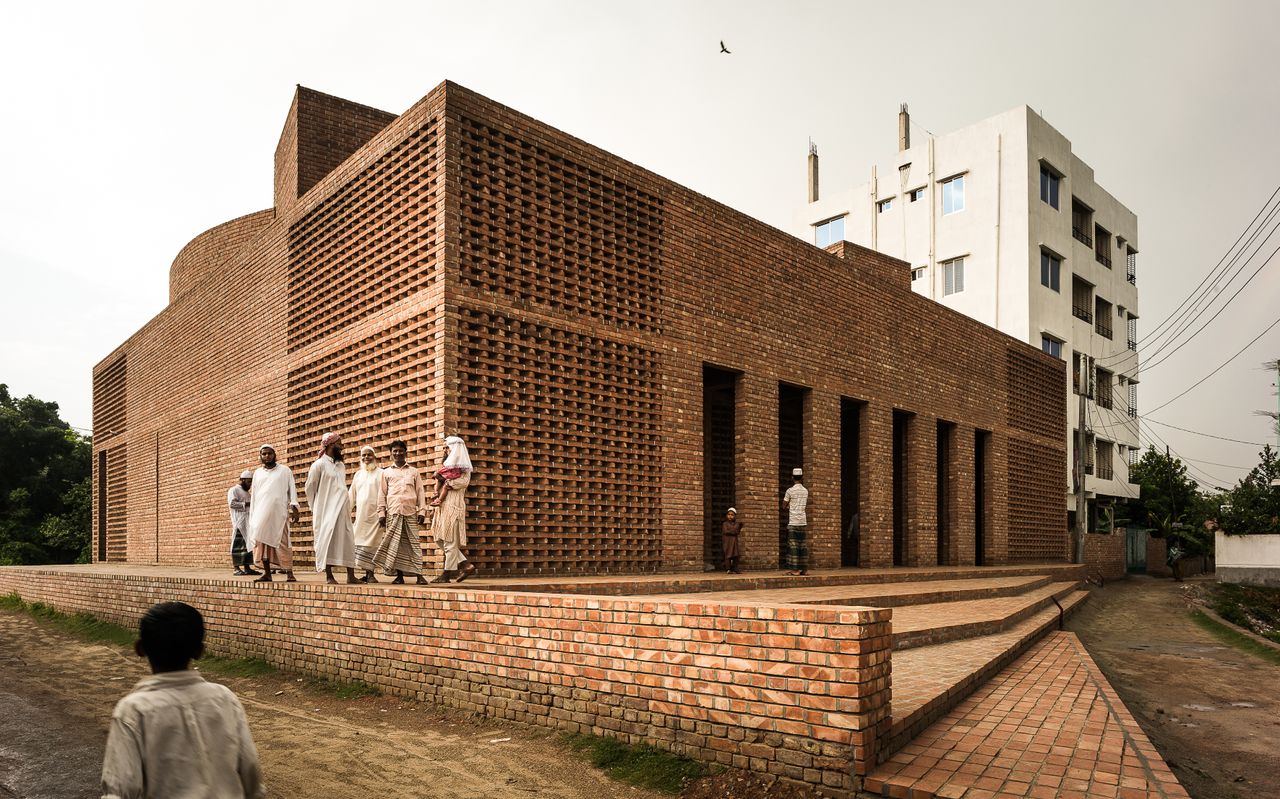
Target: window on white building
{"x":953,"y":195}
{"x":918,"y":273}
{"x":1050,"y":270}
{"x":915,"y":195}
{"x":829,"y":232}
{"x":953,"y":276}
{"x":884,"y":205}
{"x":1051,"y":345}
{"x":1049,"y":182}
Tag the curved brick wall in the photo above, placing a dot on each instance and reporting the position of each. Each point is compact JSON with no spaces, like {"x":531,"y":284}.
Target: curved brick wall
{"x":213,"y":248}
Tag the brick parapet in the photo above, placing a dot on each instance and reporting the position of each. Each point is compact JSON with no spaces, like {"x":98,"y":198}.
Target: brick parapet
{"x":797,"y":691}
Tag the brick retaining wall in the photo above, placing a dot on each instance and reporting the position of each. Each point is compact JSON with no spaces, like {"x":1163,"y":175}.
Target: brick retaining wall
{"x":801,"y":692}
{"x":1105,"y":554}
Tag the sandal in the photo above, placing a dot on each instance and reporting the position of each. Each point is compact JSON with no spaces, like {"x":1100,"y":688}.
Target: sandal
{"x":467,"y":572}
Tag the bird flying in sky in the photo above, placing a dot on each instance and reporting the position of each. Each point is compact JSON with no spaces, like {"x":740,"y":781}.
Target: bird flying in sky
{"x":723,"y":49}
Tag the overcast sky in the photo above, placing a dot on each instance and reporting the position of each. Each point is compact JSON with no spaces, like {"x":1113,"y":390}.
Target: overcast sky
{"x":131,"y":127}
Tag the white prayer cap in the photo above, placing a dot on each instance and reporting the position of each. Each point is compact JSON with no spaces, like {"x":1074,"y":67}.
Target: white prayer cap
{"x":246,"y":475}
{"x":369,"y":450}
{"x":266,"y":446}
{"x":797,"y":472}
{"x":732,"y":510}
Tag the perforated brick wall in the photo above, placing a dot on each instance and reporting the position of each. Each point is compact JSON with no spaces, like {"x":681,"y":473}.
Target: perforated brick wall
{"x":1036,"y":518}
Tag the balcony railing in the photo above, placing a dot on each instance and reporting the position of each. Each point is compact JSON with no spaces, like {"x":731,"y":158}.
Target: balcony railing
{"x":1133,"y":413}
{"x":1104,"y":400}
{"x":1131,"y":268}
{"x":1082,"y":312}
{"x":1105,"y":473}
{"x":1105,"y":260}
{"x":1103,"y":328}
{"x":1082,"y":236}
{"x":1133,"y":344}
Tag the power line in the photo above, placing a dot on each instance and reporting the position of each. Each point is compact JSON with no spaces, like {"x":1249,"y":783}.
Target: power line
{"x":1197,"y":290}
{"x":1198,"y":433}
{"x":1215,"y":315}
{"x":1214,"y":482}
{"x":1240,"y":352}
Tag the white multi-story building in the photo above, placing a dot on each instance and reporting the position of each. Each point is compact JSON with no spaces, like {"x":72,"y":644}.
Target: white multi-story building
{"x":1002,"y":222}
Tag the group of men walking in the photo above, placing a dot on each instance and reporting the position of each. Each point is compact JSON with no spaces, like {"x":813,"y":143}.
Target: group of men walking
{"x":390,"y":504}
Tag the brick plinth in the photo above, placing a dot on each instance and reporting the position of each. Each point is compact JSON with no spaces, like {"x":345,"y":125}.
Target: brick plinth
{"x":800,"y":692}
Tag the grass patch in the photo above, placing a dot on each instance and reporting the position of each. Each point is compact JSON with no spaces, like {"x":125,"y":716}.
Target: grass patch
{"x":642,"y":765}
{"x":1235,"y":639}
{"x":81,"y":625}
{"x":87,"y":627}
{"x":1254,"y":608}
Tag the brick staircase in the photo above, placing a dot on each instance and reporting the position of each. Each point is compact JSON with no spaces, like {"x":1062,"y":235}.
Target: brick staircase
{"x":953,"y":628}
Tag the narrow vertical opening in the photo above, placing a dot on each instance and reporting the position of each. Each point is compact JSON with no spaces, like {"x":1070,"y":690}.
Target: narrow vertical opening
{"x":946,"y":537}
{"x":102,"y":506}
{"x":791,"y":402}
{"x":901,"y":425}
{"x":981,"y":441}
{"x":850,"y":474}
{"x":719,"y":423}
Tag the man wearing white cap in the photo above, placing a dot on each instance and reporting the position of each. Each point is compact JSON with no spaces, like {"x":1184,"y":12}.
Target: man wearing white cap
{"x":796,"y":502}
{"x":334,"y":541}
{"x":238,"y":502}
{"x":275,"y":504}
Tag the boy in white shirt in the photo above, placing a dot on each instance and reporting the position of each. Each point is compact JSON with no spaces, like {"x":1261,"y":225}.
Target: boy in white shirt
{"x":175,"y":735}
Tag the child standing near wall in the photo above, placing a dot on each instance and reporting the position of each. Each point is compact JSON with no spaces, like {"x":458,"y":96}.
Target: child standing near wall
{"x":730,"y":531}
{"x":175,"y":734}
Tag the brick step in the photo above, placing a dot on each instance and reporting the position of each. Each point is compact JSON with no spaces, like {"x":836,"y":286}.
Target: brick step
{"x":1048,"y":725}
{"x":883,"y":596}
{"x":702,"y":582}
{"x":922,"y":625}
{"x":930,"y":680}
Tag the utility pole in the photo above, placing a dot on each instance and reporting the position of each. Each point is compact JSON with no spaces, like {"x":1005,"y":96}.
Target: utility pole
{"x":1081,"y":443}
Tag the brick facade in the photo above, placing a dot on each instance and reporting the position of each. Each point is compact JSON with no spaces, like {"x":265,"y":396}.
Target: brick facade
{"x":462,"y":267}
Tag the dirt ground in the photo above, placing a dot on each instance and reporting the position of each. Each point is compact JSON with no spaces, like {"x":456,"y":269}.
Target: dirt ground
{"x":57,"y":692}
{"x":1212,"y":710}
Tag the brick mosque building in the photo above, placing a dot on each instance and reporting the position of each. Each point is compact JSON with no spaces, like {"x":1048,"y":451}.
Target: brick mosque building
{"x":625,"y":358}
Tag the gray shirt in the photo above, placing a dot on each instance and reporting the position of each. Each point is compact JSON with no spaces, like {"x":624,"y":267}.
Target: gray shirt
{"x":797,"y":499}
{"x":176,"y":736}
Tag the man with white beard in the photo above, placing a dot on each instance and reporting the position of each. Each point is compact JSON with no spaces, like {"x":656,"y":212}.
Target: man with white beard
{"x":331,"y":510}
{"x":274,"y":505}
{"x":364,"y":496}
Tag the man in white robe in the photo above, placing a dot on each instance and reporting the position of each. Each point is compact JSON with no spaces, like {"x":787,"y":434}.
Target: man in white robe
{"x":238,"y":503}
{"x":331,"y":510}
{"x":364,"y":496}
{"x":275,"y":504}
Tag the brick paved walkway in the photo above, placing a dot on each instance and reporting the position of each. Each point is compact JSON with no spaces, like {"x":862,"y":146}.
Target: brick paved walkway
{"x":887,"y":595}
{"x":1049,"y":725}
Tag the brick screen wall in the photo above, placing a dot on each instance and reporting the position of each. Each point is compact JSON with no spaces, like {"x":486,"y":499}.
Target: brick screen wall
{"x":800,"y":692}
{"x":472,"y":270}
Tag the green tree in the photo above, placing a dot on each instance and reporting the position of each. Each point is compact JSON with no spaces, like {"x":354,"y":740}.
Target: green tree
{"x":45,"y":484}
{"x":1253,"y":506}
{"x":1167,"y":491}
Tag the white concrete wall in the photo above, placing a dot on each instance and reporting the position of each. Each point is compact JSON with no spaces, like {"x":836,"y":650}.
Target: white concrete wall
{"x":1247,"y":559}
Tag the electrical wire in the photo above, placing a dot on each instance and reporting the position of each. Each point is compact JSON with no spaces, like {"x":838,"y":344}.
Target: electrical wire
{"x":1146,"y":418}
{"x":1221,"y":366}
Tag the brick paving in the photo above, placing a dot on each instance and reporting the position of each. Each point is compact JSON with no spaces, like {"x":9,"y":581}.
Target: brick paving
{"x":919,"y":625}
{"x":888,"y":595}
{"x":1049,"y":725}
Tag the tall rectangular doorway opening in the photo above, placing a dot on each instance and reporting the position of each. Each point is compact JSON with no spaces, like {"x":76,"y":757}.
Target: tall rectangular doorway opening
{"x":102,"y":506}
{"x":719,"y":425}
{"x":791,"y":402}
{"x":850,"y":480}
{"x":981,"y":444}
{"x":946,"y":538}
{"x":901,"y":427}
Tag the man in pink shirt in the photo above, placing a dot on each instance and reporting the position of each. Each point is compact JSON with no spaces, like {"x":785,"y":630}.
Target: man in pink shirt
{"x":402,"y":507}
